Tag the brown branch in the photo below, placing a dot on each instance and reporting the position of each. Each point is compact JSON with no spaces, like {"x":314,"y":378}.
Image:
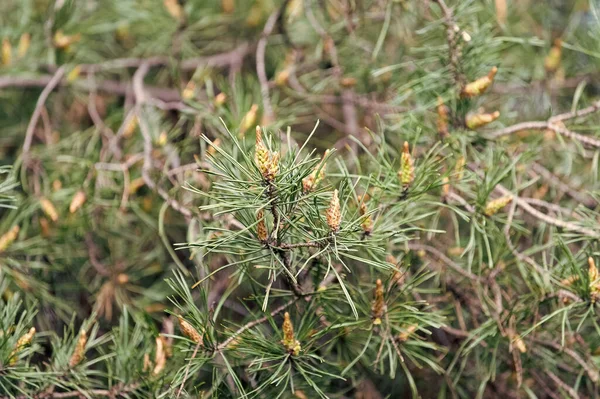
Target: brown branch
{"x":563,"y":186}
{"x":52,"y":83}
{"x":442,"y":257}
{"x":141,"y":98}
{"x":260,"y":65}
{"x":453,"y":50}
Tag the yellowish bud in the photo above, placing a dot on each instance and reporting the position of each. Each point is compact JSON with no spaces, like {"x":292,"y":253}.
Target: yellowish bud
{"x":569,"y":280}
{"x":266,"y":161}
{"x":334,"y":214}
{"x":228,"y":6}
{"x":367,"y":223}
{"x":136,"y":184}
{"x":474,"y":121}
{"x":162,"y":139}
{"x":493,"y":206}
{"x":261,"y":227}
{"x":79,"y":351}
{"x":282,"y":77}
{"x":189,"y":331}
{"x":56,"y":185}
{"x":459,"y":168}
{"x":378,"y":307}
{"x":74,"y":74}
{"x":64,"y":42}
{"x":404,"y":335}
{"x":160,"y":357}
{"x":445,"y":186}
{"x":24,"y":43}
{"x":6,"y":52}
{"x":122,"y":278}
{"x":220,"y":99}
{"x":311,"y":181}
{"x":442,"y":119}
{"x":130,"y":128}
{"x":480,"y":85}
{"x":22,"y":342}
{"x":406,"y":174}
{"x":249,"y":120}
{"x":189,"y":91}
{"x":552,"y":60}
{"x":77,"y":201}
{"x":49,"y":209}
{"x":212,"y":148}
{"x":174,"y":9}
{"x":517,"y":341}
{"x":289,"y":340}
{"x":8,"y":238}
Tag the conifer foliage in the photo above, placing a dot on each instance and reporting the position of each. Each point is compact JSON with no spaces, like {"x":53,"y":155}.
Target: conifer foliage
{"x":299,"y":199}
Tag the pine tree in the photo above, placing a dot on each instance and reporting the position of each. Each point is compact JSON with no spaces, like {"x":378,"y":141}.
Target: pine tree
{"x":299,"y":199}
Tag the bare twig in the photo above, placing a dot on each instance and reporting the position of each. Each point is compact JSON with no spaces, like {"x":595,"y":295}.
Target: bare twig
{"x":253,"y":323}
{"x":54,"y":81}
{"x":260,"y":65}
{"x":453,"y":50}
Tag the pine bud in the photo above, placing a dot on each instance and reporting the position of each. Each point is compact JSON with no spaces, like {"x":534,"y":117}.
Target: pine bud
{"x":79,"y":351}
{"x":249,"y":119}
{"x":378,"y":304}
{"x":459,"y":168}
{"x":189,"y":331}
{"x":282,"y":77}
{"x":289,"y":341}
{"x":593,"y":280}
{"x":73,"y":75}
{"x":64,"y":42}
{"x":493,"y":206}
{"x":160,"y":358}
{"x":130,"y":128}
{"x":21,"y":343}
{"x":136,"y":184}
{"x":174,"y":9}
{"x":122,"y":278}
{"x":77,"y":201}
{"x":445,"y":187}
{"x":569,"y":280}
{"x":212,"y":149}
{"x":334,"y":214}
{"x":480,"y":85}
{"x":49,"y":209}
{"x":474,"y":121}
{"x":189,"y":91}
{"x":552,"y":60}
{"x":406,"y":174}
{"x":8,"y":238}
{"x":516,"y":340}
{"x":6,"y":52}
{"x":442,"y":119}
{"x":367,"y":223}
{"x":163,"y":139}
{"x":272,"y":166}
{"x":311,"y":181}
{"x":261,"y":228}
{"x":220,"y":99}
{"x":228,"y":6}
{"x":261,"y":154}
{"x":24,"y":42}
{"x":404,"y":335}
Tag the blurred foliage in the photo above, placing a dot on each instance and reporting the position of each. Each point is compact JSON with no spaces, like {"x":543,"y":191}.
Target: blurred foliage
{"x":153,"y":244}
